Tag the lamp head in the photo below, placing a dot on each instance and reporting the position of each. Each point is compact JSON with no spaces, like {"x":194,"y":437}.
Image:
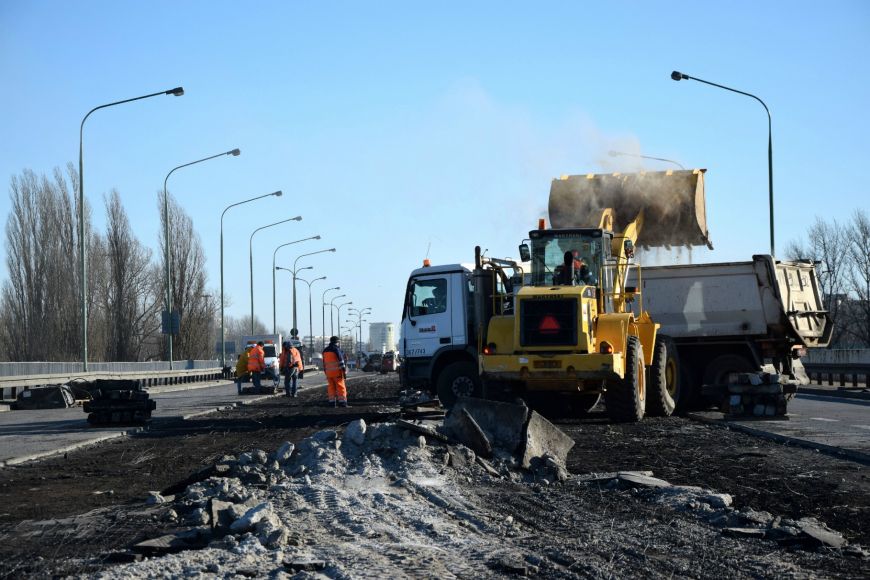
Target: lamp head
{"x":297,"y":219}
{"x":307,"y":268}
{"x":316,"y":238}
{"x":235,"y":152}
{"x":177,"y":91}
{"x":678,"y":76}
{"x":278,"y":193}
{"x":331,"y":250}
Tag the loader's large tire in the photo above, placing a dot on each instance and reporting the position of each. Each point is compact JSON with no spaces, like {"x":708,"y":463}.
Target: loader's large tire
{"x":663,"y":384}
{"x":626,"y":399}
{"x":459,"y":379}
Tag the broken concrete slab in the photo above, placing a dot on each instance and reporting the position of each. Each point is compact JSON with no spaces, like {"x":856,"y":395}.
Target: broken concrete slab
{"x":190,"y":539}
{"x":503,"y":423}
{"x":356,"y":432}
{"x":820,"y":533}
{"x":423,"y":428}
{"x":462,"y":426}
{"x":744,"y":532}
{"x":285,"y":452}
{"x":542,"y":437}
{"x":639,"y":480}
{"x":305,"y":565}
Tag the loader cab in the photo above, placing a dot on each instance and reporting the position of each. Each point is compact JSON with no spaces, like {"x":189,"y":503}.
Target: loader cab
{"x":588,"y":249}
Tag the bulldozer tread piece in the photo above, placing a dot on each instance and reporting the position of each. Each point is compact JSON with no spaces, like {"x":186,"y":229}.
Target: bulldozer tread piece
{"x":626,"y":399}
{"x":661,"y":397}
{"x":458,"y":379}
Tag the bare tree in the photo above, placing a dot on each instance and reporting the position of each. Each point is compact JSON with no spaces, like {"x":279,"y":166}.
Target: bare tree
{"x":40,"y":301}
{"x":131,"y":298}
{"x":859,"y":277}
{"x":827,"y":243}
{"x":189,"y":297}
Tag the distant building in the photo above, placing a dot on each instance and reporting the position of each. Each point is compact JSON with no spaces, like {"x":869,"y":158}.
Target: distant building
{"x":382,"y":336}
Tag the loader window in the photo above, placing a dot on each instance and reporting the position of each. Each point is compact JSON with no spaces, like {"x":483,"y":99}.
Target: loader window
{"x":548,"y":256}
{"x":429,"y":296}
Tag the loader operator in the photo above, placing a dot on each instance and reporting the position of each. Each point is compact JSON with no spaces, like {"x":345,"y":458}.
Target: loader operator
{"x":334,"y":368}
{"x":582,"y":274}
{"x":256,"y":364}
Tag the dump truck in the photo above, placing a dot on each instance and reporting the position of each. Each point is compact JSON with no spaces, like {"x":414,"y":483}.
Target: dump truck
{"x":735,"y":317}
{"x":572,"y":328}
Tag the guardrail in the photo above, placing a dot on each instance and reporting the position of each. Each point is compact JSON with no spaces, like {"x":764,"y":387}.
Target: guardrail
{"x":11,"y":386}
{"x":841,"y":374}
{"x":13,"y":369}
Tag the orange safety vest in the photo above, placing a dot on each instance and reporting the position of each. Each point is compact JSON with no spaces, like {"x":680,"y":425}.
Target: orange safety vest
{"x":331,"y":364}
{"x":256,"y":359}
{"x":295,"y":358}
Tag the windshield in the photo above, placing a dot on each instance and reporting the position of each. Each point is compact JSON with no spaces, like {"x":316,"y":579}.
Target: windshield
{"x":548,"y":256}
{"x":269,"y":351}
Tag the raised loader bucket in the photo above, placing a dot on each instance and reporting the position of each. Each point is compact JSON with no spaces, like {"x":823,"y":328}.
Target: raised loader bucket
{"x":673,"y":204}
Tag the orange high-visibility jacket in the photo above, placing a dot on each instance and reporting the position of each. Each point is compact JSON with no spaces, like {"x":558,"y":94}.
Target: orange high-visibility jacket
{"x":256,"y":359}
{"x":294,"y":357}
{"x":332,"y":364}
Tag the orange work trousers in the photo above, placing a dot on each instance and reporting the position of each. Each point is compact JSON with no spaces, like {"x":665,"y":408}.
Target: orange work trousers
{"x":336,"y":390}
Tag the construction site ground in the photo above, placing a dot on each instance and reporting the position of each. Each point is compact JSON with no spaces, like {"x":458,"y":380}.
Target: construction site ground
{"x":76,"y":513}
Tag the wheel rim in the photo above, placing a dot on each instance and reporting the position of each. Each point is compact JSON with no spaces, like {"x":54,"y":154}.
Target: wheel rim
{"x":462,"y":387}
{"x":671,"y":377}
{"x":641,"y":380}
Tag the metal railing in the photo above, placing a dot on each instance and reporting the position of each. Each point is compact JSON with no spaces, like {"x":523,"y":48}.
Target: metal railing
{"x":13,"y":369}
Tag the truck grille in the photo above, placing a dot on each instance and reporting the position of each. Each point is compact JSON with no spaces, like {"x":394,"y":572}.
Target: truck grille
{"x":548,"y":322}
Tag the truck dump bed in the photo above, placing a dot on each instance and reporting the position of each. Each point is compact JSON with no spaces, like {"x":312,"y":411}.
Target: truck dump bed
{"x":761,"y":298}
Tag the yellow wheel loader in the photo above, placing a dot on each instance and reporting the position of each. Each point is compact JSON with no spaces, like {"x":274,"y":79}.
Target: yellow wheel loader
{"x":572,"y":329}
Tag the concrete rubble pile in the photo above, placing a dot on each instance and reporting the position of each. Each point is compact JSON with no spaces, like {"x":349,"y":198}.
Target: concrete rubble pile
{"x":764,"y":394}
{"x":716,"y":509}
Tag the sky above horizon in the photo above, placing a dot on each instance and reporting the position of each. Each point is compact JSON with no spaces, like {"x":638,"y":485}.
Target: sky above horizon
{"x":400,"y":130}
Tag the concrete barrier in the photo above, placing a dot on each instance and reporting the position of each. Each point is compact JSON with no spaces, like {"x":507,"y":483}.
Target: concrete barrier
{"x":11,"y":386}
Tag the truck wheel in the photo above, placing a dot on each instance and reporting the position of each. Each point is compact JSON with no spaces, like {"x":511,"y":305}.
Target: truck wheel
{"x":720,"y":367}
{"x":626,"y":399}
{"x":459,"y":379}
{"x":664,"y":379}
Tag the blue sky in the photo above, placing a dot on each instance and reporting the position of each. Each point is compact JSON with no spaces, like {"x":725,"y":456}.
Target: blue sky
{"x":393,"y":127}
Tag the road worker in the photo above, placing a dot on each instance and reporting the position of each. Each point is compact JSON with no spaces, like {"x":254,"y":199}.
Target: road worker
{"x":290,"y":364}
{"x":242,"y":369}
{"x":256,"y":364}
{"x":334,"y":366}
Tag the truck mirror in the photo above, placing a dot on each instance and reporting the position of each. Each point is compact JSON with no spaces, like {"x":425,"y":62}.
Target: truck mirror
{"x":525,"y":254}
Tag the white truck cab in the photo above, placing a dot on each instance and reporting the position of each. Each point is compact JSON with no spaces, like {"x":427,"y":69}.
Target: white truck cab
{"x":437,"y":323}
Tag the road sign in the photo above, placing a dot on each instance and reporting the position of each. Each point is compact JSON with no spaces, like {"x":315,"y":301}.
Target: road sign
{"x":170,"y":328}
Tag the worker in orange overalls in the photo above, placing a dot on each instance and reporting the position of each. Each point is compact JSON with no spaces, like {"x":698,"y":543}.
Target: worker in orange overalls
{"x":334,"y":367}
{"x":256,"y":364}
{"x":290,"y":364}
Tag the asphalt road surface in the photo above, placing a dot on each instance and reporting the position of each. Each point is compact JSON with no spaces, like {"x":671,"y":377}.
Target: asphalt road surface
{"x":28,"y":435}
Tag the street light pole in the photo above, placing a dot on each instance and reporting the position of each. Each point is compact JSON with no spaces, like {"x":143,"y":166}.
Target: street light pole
{"x":294,"y":279}
{"x":168,"y":241}
{"x":639,"y":156}
{"x":338,"y":316}
{"x":677,"y":76}
{"x":310,"y":315}
{"x":223,"y":342}
{"x":83,"y":261}
{"x":251,"y":259}
{"x":331,"y":306}
{"x":323,"y":316}
{"x":274,"y":267}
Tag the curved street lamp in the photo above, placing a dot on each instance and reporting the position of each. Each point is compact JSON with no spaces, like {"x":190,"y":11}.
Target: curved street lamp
{"x":331,"y":307}
{"x":223,"y":342}
{"x":83,"y":261}
{"x":167,"y":240}
{"x":339,"y":307}
{"x":323,"y":316}
{"x":294,"y":279}
{"x":678,"y":76}
{"x":310,"y":317}
{"x":251,"y":258}
{"x":274,"y":267}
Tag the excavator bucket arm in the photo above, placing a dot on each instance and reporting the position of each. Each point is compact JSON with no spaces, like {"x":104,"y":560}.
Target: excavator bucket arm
{"x":672,"y":204}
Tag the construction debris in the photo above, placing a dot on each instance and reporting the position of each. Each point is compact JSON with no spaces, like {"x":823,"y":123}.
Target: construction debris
{"x":760,"y":395}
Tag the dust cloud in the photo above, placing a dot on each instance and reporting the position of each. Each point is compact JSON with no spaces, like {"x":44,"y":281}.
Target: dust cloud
{"x":672,"y":202}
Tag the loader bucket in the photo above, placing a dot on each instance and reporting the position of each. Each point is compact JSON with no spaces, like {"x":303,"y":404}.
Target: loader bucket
{"x":672,"y":202}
